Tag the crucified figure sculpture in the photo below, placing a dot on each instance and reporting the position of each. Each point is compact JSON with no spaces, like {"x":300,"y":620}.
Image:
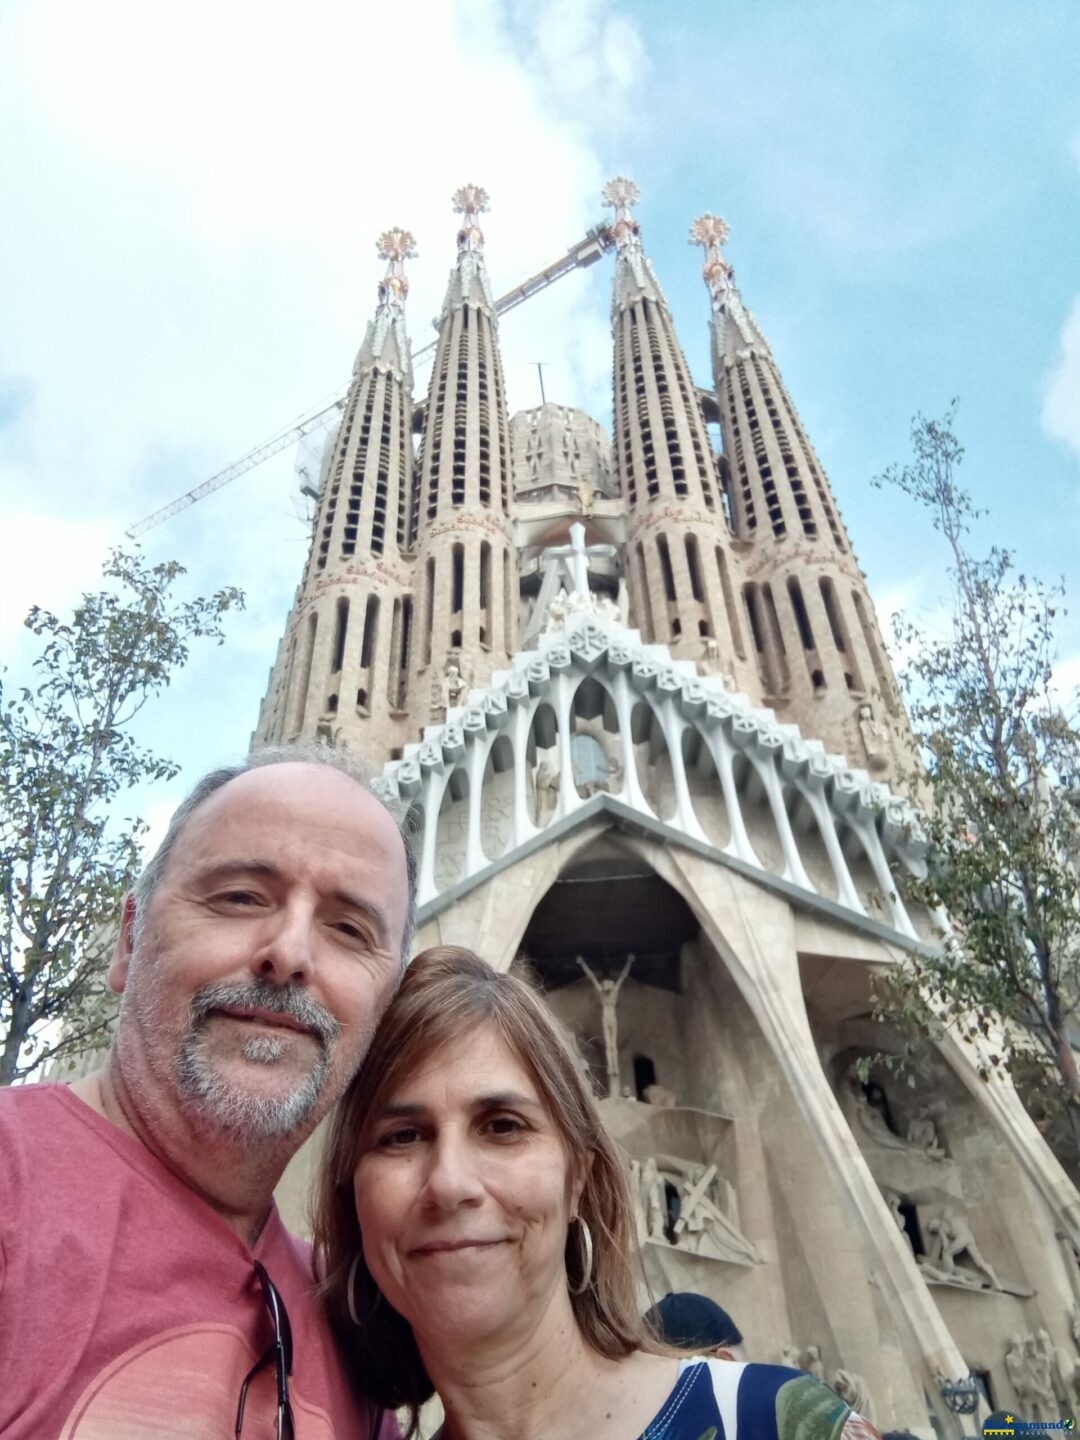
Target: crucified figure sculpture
{"x":608,"y":991}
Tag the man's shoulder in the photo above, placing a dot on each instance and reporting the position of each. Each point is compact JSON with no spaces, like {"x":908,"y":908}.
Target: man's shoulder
{"x":17,"y":1097}
{"x":29,"y":1110}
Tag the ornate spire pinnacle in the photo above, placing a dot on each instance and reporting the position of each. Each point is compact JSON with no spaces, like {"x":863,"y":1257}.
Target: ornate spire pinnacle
{"x":469,"y":282}
{"x":710,"y":232}
{"x":395,"y":246}
{"x":470,"y":201}
{"x":386,"y":343}
{"x":634,"y":277}
{"x":621,"y":194}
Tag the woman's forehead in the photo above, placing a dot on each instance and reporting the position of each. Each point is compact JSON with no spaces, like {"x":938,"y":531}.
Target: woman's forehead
{"x":474,"y":1062}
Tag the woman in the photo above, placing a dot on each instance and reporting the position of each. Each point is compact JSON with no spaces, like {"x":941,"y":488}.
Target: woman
{"x":477,"y":1239}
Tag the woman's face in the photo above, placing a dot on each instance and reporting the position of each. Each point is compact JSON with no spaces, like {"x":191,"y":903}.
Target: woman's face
{"x":464,"y":1194}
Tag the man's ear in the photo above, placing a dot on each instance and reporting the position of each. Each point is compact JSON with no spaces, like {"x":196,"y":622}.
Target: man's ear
{"x":125,"y":943}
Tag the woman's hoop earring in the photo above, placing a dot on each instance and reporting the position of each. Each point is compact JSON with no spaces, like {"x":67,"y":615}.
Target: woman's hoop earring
{"x":350,"y":1290}
{"x":586,"y":1264}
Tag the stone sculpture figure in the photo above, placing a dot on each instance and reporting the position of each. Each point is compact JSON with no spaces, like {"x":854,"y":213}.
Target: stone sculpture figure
{"x":653,"y":1200}
{"x":952,"y":1239}
{"x":1062,"y":1376}
{"x":608,"y":991}
{"x":1040,"y":1382}
{"x":637,"y":1200}
{"x":872,"y":734}
{"x":454,"y":688}
{"x":546,"y":780}
{"x":871,"y":1121}
{"x":892,"y":1199}
{"x":659,"y":1096}
{"x":1017,"y":1371}
{"x":814,"y":1365}
{"x":789,"y":1355}
{"x":852,"y":1388}
{"x":922,"y":1134}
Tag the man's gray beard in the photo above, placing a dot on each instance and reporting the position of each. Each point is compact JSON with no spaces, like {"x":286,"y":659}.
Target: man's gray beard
{"x":229,"y":1107}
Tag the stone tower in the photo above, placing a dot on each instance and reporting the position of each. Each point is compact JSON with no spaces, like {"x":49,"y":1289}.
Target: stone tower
{"x":343,"y":665}
{"x":813,"y":630}
{"x":678,"y":543}
{"x":461,"y":523}
{"x":629,"y":731}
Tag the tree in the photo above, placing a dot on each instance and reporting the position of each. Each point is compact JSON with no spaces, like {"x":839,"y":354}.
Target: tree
{"x":1001,"y":754}
{"x":66,"y":755}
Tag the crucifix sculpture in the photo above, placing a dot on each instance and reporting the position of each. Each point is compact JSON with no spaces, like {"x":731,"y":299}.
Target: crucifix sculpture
{"x":608,"y":991}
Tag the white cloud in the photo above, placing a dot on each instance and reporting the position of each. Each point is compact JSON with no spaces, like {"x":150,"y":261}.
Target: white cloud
{"x":1065,"y":683}
{"x":196,"y":262}
{"x":1061,"y":399}
{"x":51,"y":563}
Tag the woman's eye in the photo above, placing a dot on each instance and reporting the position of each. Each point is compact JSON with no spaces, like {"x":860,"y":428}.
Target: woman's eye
{"x":399,"y":1139}
{"x":505,"y":1127}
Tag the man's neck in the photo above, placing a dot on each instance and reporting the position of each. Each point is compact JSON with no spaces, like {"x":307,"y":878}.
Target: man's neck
{"x":236,"y":1181}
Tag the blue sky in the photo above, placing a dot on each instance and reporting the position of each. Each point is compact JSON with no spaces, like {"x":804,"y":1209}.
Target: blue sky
{"x":193,"y":198}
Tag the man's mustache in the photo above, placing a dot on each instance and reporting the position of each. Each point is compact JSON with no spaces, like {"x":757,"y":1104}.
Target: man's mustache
{"x":291,"y":1000}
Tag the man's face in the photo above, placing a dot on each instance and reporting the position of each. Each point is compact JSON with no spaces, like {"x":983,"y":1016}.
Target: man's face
{"x":267,"y":954}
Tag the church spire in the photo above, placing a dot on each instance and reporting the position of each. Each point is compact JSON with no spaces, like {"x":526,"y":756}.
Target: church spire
{"x":820,"y":656}
{"x":679,"y":565}
{"x":461,"y":516}
{"x":348,"y":640}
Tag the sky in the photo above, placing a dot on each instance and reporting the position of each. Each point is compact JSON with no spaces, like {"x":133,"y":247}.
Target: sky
{"x":192,"y":199}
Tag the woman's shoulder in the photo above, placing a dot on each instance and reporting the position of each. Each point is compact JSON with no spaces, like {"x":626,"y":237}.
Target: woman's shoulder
{"x":725,"y":1400}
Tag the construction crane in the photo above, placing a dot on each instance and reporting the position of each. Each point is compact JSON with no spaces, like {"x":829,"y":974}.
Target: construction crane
{"x":586,"y":252}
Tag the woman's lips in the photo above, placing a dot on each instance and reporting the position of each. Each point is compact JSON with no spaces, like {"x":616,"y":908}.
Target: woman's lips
{"x":444,"y":1247}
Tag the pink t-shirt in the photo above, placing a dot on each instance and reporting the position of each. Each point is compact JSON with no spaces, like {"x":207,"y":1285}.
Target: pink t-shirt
{"x":128,"y":1307}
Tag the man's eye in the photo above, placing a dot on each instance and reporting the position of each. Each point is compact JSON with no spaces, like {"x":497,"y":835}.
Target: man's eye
{"x":351,"y":931}
{"x":239,"y":897}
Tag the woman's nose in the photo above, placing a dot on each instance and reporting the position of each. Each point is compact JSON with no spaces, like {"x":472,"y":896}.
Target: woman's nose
{"x":454,"y":1175}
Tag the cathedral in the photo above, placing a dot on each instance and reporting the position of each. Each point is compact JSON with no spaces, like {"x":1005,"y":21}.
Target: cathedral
{"x":633,"y":695}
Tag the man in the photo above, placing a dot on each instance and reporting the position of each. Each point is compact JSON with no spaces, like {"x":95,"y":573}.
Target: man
{"x":147,"y":1285}
{"x":697,"y":1324}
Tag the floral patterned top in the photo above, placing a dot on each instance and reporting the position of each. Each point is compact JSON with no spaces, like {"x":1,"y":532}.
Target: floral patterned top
{"x":724,"y":1400}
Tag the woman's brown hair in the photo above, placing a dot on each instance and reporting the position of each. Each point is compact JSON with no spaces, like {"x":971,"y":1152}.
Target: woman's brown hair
{"x":448,"y":992}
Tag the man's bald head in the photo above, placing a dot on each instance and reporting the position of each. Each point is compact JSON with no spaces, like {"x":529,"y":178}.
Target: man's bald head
{"x":214,"y":780}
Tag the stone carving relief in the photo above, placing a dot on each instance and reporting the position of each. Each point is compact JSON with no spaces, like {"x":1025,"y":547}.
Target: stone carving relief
{"x":874,"y":738}
{"x":921,"y":1134}
{"x":546,"y":779}
{"x":455,"y":687}
{"x":892,"y":1199}
{"x":951,"y":1241}
{"x":687,"y":1205}
{"x":1039,"y":1381}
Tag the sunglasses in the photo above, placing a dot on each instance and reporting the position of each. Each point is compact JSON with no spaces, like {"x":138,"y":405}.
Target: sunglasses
{"x":280,"y":1351}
